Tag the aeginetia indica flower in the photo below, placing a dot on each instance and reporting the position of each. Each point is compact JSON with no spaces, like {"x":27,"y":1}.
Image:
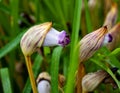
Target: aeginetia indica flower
{"x":91,"y":80}
{"x":115,"y":32}
{"x":42,"y":35}
{"x":37,"y":36}
{"x":111,"y":16}
{"x":90,"y":43}
{"x":44,"y":82}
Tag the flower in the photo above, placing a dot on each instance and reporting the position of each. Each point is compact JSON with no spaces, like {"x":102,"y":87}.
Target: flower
{"x":91,"y":80}
{"x":115,"y":33}
{"x":42,"y":35}
{"x":90,"y":43}
{"x":54,"y":37}
{"x":43,"y":83}
{"x":111,"y":16}
{"x":37,"y":36}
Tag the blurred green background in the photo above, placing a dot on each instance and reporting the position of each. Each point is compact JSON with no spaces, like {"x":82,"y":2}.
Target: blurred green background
{"x":16,"y":16}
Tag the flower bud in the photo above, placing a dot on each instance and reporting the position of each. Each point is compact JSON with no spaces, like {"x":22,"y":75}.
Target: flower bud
{"x":61,"y":80}
{"x":55,"y":37}
{"x":37,"y":36}
{"x":43,"y":83}
{"x":90,"y":43}
{"x":115,"y":33}
{"x":34,"y":38}
{"x":111,"y":16}
{"x":92,"y":80}
{"x":43,"y":75}
{"x":42,"y":35}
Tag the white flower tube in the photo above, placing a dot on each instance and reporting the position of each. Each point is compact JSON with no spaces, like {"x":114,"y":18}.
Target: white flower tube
{"x":44,"y":86}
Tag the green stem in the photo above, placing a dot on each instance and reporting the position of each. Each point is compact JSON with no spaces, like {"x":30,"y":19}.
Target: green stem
{"x":87,"y":15}
{"x":55,"y":69}
{"x":74,"y":48}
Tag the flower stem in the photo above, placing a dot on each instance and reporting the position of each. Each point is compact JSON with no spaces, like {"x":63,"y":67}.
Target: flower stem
{"x":29,"y":67}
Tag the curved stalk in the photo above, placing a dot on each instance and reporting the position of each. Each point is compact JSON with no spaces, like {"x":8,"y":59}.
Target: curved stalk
{"x":30,"y":72}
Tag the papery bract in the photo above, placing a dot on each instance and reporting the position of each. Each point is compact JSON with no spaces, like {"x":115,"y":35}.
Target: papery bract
{"x":90,"y":43}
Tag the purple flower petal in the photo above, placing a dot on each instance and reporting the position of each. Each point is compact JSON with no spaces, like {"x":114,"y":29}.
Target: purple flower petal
{"x":55,"y":37}
{"x":108,"y":38}
{"x":63,"y":38}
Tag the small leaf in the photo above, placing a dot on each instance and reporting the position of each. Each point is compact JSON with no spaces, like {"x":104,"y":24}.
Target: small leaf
{"x":55,"y":69}
{"x":107,"y":69}
{"x":4,"y":8}
{"x":115,"y":52}
{"x":73,"y":53}
{"x":88,"y":19}
{"x":7,"y":88}
{"x":10,"y":46}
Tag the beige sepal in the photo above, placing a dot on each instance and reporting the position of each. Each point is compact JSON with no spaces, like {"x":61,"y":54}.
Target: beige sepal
{"x":91,"y":43}
{"x":43,"y":75}
{"x":111,"y":16}
{"x":34,"y":37}
{"x":92,"y":80}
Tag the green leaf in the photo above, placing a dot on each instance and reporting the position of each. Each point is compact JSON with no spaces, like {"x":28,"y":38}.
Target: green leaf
{"x":76,"y":24}
{"x":37,"y":10}
{"x":72,"y":71}
{"x":87,"y":15}
{"x":4,"y":8}
{"x":10,"y":46}
{"x":115,"y":52}
{"x":36,"y":68}
{"x":103,"y":66}
{"x":7,"y":88}
{"x":14,"y":5}
{"x":74,"y":48}
{"x":58,"y":8}
{"x":55,"y":69}
{"x":112,"y":60}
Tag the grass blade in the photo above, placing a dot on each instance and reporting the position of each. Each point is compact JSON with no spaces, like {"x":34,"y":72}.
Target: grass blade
{"x":50,"y":6}
{"x":103,"y":66}
{"x":76,"y":24}
{"x":14,"y":16}
{"x":115,"y":52}
{"x":73,"y":58}
{"x":7,"y":88}
{"x":36,"y":68}
{"x":10,"y":46}
{"x":4,"y":8}
{"x":55,"y":69}
{"x":37,"y":4}
{"x":87,"y":15}
{"x":112,"y":60}
{"x":58,"y":7}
